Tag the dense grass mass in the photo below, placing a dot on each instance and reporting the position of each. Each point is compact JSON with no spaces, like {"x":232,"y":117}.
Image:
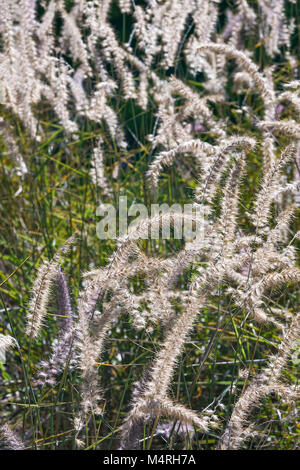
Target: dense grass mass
{"x":138,"y":342}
